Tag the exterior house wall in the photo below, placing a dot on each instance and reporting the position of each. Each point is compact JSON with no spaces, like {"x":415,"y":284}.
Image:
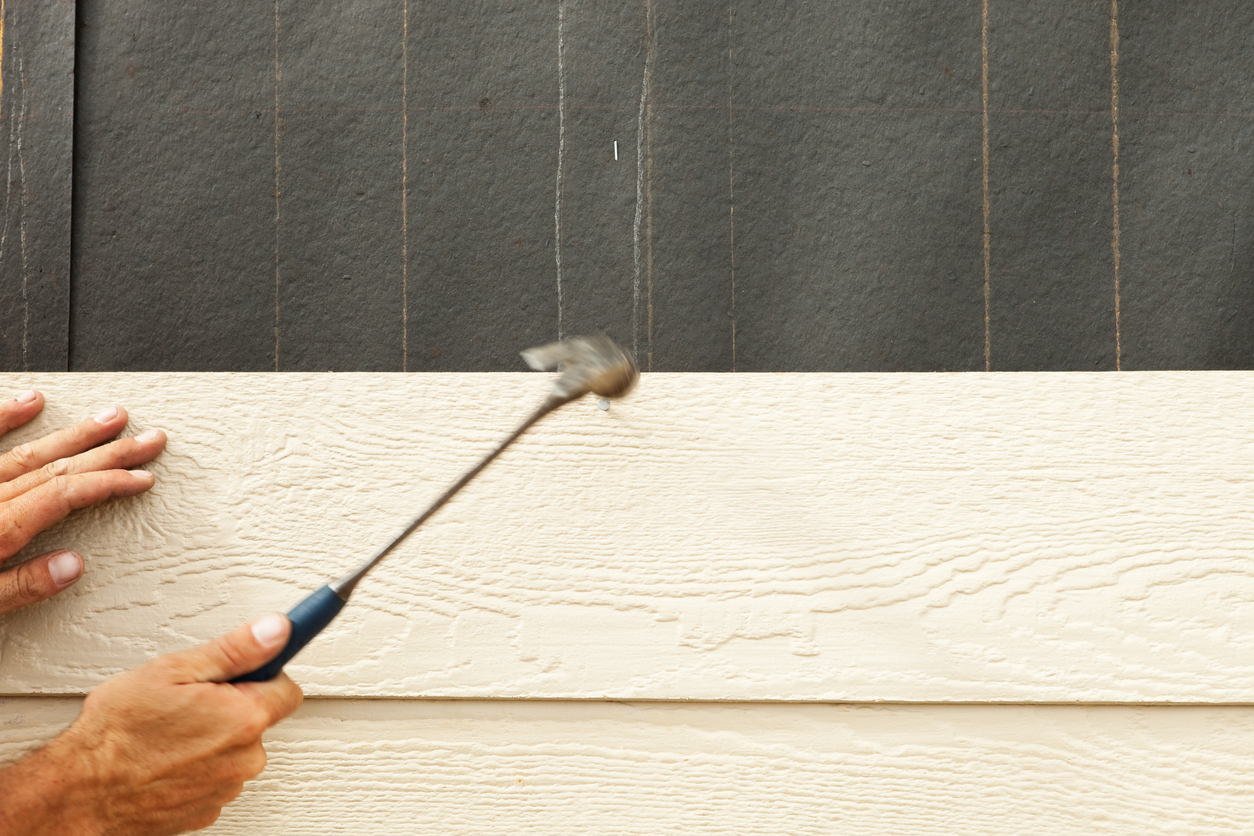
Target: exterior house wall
{"x":751,"y":603}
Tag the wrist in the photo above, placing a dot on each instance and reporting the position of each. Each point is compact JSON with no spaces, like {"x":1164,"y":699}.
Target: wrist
{"x":48,"y":792}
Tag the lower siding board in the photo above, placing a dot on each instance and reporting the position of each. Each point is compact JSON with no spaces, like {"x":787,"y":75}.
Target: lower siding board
{"x":462,"y":767}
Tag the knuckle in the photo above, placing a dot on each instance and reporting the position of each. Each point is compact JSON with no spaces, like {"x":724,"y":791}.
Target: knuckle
{"x":29,"y":586}
{"x":53,"y":469}
{"x":165,"y":668}
{"x":296,"y":698}
{"x":231,"y":792}
{"x":95,"y":700}
{"x":234,"y":655}
{"x":11,"y":522}
{"x":232,"y":771}
{"x":15,"y":532}
{"x":239,"y":736}
{"x":205,"y":819}
{"x":23,"y":455}
{"x":248,"y":729}
{"x":257,"y":762}
{"x":63,"y":487}
{"x":232,"y":767}
{"x":60,"y":483}
{"x":242,"y":769}
{"x":253,"y":727}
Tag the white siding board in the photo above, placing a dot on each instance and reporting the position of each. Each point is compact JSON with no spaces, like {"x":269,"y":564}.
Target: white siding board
{"x":381,"y":767}
{"x":930,"y":538}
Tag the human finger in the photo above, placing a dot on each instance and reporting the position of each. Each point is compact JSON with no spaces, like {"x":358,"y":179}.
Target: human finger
{"x":243,"y":764}
{"x":238,"y":652}
{"x":25,"y":516}
{"x":279,"y":697}
{"x":123,"y":454}
{"x":38,"y":578}
{"x":70,"y":441}
{"x":18,"y":410}
{"x":206,"y":817}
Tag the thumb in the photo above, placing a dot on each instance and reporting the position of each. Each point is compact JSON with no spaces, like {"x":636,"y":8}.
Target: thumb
{"x":37,"y":579}
{"x":242,"y":650}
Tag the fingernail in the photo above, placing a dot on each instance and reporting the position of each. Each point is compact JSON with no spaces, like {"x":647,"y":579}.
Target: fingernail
{"x":151,"y":435}
{"x":65,"y":568}
{"x":142,"y":473}
{"x":268,"y":629}
{"x":27,"y":396}
{"x":106,"y":415}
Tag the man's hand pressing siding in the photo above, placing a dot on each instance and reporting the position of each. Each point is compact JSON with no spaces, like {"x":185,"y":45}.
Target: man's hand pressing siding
{"x":43,"y":481}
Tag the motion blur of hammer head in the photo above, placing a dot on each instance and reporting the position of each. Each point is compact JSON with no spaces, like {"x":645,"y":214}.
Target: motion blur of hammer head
{"x":587,"y":364}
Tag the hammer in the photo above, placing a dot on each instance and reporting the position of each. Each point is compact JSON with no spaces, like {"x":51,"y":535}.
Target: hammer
{"x":587,"y":364}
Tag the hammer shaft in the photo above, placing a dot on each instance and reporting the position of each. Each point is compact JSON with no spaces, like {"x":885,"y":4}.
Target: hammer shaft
{"x":310,"y":616}
{"x":588,"y":364}
{"x":344,"y":586}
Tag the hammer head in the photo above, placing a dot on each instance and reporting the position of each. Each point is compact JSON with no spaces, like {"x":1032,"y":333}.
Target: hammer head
{"x":587,"y":364}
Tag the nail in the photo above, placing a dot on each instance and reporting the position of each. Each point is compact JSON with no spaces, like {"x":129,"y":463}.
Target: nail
{"x":142,"y":473}
{"x":106,"y":415}
{"x":65,"y":568}
{"x":27,"y":396}
{"x":151,"y":435}
{"x":268,"y":629}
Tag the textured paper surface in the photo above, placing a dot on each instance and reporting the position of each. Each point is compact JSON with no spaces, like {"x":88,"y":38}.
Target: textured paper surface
{"x":869,"y":185}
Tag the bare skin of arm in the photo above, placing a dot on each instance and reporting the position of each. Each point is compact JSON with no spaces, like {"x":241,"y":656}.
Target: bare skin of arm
{"x":160,"y":749}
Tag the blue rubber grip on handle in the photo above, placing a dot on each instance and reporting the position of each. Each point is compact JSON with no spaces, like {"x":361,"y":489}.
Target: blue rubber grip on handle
{"x":308,"y":618}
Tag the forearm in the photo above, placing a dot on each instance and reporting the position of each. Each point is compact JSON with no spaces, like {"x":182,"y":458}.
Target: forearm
{"x":45,"y":793}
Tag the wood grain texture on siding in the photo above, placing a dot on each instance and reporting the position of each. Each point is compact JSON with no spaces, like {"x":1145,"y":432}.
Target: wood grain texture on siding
{"x":460,"y":767}
{"x":930,"y":538}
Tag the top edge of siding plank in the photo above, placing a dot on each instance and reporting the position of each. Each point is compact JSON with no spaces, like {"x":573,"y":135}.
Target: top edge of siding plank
{"x":1034,"y":537}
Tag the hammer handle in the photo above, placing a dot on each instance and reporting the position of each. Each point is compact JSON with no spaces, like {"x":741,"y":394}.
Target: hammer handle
{"x":308,"y":618}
